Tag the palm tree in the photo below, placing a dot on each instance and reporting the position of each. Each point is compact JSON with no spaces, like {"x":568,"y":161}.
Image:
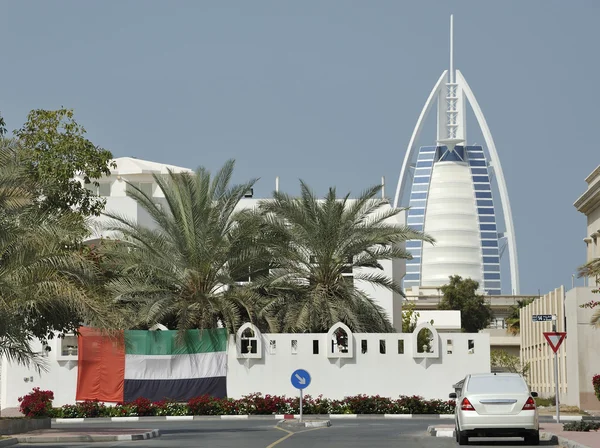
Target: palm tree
{"x":592,"y":269}
{"x":514,"y":318}
{"x":42,"y":279}
{"x":180,"y":272}
{"x":315,"y":244}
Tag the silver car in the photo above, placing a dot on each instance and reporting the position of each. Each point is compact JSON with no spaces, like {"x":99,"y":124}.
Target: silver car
{"x":496,"y":405}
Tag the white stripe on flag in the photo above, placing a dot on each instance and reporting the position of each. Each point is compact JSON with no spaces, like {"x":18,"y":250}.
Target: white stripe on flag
{"x":175,"y":367}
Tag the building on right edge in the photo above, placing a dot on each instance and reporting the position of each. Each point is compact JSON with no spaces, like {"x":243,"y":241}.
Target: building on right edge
{"x":579,"y":354}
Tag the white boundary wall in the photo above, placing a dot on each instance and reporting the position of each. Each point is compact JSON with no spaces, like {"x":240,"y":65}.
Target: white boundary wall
{"x":335,"y":375}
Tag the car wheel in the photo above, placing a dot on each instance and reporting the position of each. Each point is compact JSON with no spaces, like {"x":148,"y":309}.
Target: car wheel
{"x":462,"y":438}
{"x":532,"y":438}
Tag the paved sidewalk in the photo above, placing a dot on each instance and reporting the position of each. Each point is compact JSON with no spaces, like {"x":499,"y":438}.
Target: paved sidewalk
{"x":587,"y":439}
{"x":569,"y":439}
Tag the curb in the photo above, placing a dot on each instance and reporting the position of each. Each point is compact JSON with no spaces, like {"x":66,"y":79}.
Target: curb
{"x":245,"y":417}
{"x":546,"y":436}
{"x":308,"y":424}
{"x":8,"y":442}
{"x":88,"y":438}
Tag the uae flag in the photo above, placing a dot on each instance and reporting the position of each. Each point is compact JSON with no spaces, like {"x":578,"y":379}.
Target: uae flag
{"x":157,"y":365}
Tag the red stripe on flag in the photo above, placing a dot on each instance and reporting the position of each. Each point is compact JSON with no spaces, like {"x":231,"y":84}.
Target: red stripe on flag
{"x":101,"y":365}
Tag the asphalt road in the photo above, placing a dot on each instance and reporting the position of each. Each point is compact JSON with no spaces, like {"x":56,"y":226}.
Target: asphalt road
{"x":369,"y":433}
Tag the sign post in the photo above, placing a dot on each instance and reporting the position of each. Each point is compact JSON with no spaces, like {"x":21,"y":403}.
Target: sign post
{"x":555,"y":340}
{"x":300,"y":380}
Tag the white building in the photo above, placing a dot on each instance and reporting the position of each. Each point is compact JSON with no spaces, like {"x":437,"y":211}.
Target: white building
{"x":448,"y":188}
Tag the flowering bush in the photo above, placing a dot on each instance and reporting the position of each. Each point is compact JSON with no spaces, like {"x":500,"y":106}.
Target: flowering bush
{"x":257,"y":404}
{"x":596,"y":383}
{"x":37,"y":403}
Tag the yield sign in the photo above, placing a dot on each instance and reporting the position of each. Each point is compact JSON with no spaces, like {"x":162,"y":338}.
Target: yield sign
{"x":555,"y":339}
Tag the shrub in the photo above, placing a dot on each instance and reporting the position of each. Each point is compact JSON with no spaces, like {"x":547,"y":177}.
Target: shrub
{"x":596,"y":383}
{"x":257,"y":404}
{"x":582,"y":425}
{"x":37,"y":403}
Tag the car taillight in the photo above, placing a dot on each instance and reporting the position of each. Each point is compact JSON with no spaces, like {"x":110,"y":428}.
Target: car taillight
{"x":529,"y":405}
{"x":466,"y":405}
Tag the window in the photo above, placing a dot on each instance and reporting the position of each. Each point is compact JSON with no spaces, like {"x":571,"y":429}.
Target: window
{"x":471,"y":345}
{"x":482,"y":186}
{"x":249,"y":342}
{"x":476,"y":155}
{"x":487,"y":227}
{"x":420,"y":188}
{"x":421,"y":180}
{"x":491,"y":260}
{"x":489,"y":243}
{"x":418,"y":227}
{"x":491,"y":275}
{"x":485,"y":203}
{"x":426,"y":164}
{"x":315,"y":347}
{"x":102,"y":189}
{"x":483,"y":194}
{"x":496,"y":385}
{"x":363,"y":346}
{"x":424,"y":339}
{"x":412,"y":244}
{"x":488,"y":251}
{"x":449,"y":346}
{"x":272,"y":346}
{"x":487,"y":218}
{"x":145,"y":187}
{"x":418,"y":196}
{"x":416,"y":260}
{"x":476,"y":162}
{"x":411,"y":277}
{"x":417,"y":203}
{"x":400,"y":346}
{"x":489,"y":235}
{"x":485,"y":211}
{"x":382,"y":346}
{"x":416,"y":212}
{"x":294,"y":346}
{"x":483,"y":171}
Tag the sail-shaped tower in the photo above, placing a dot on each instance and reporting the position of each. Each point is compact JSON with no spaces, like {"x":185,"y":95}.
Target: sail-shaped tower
{"x":450,"y":185}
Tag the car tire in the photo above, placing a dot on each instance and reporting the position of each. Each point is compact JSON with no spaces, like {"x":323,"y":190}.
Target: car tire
{"x":532,"y":438}
{"x":462,"y":438}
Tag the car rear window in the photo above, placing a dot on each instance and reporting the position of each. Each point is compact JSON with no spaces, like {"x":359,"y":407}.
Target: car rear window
{"x":496,"y":385}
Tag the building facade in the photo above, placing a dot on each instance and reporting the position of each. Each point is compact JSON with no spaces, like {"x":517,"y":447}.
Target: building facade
{"x":448,"y":187}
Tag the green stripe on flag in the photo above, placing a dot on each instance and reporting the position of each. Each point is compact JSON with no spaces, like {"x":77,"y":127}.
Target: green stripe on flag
{"x":144,"y":342}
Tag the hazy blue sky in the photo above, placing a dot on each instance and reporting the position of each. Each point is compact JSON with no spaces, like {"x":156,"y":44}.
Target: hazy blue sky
{"x":326,"y":91}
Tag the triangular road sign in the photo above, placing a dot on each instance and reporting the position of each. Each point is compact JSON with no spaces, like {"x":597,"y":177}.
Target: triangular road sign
{"x":555,"y":339}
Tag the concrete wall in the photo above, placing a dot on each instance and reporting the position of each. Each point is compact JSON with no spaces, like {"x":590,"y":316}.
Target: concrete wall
{"x":61,"y":378}
{"x":583,"y":349}
{"x":357,"y":371}
{"x":335,"y":373}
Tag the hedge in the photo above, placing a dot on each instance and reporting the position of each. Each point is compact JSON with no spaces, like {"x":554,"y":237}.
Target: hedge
{"x":257,"y":404}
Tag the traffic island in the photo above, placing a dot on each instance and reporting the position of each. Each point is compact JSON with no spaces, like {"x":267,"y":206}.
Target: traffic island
{"x":98,"y":435}
{"x":295,"y":424}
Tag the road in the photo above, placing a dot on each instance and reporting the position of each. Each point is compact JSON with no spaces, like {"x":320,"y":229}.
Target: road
{"x":369,"y":433}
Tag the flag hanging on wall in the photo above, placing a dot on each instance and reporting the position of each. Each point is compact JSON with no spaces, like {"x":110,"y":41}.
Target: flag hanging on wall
{"x":152,"y":364}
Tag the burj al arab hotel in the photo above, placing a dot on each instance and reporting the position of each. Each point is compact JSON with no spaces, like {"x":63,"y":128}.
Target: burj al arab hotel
{"x":448,"y":189}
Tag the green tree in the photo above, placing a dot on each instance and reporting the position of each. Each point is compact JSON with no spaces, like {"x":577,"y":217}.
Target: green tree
{"x":461,"y":294}
{"x":500,"y":359}
{"x":319,"y":250}
{"x":42,"y":279}
{"x":592,"y":269}
{"x":53,"y":147}
{"x":514,"y":317}
{"x":181,"y":271}
{"x":2,"y":126}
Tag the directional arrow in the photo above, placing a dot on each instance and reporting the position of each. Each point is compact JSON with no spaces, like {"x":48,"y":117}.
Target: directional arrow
{"x":301,"y":380}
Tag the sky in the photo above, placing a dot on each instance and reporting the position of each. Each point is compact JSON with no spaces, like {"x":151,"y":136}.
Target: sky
{"x":324,"y":91}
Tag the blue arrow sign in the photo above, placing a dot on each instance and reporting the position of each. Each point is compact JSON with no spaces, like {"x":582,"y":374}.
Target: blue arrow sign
{"x":300,"y":379}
